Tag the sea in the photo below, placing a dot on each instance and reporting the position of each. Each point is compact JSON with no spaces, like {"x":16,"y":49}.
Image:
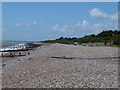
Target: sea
{"x":11,"y":43}
{"x":6,"y":45}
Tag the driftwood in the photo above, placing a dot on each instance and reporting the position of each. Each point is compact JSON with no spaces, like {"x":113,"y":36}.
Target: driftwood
{"x":12,"y":55}
{"x":64,"y":57}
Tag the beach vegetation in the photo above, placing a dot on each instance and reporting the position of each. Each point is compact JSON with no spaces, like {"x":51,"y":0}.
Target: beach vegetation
{"x":107,"y":37}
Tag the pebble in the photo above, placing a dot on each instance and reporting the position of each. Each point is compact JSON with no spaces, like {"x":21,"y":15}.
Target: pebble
{"x":43,"y":72}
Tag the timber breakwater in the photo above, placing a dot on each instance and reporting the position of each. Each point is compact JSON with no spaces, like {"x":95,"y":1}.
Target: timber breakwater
{"x":7,"y":51}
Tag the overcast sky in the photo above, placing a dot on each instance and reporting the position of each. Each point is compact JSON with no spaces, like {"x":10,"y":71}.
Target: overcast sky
{"x":43,"y":21}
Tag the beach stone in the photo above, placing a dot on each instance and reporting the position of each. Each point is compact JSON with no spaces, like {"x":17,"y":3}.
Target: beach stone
{"x":65,"y":71}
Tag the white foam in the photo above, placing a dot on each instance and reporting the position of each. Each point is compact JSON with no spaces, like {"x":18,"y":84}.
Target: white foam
{"x":15,"y":47}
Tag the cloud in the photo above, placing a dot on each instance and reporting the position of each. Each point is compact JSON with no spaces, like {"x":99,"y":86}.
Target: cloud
{"x":34,"y":22}
{"x":98,"y":14}
{"x":84,"y":27}
{"x":110,"y":23}
{"x":18,"y":24}
{"x":114,"y":17}
{"x":96,"y":28}
{"x":31,"y":23}
{"x":59,"y":29}
{"x":71,"y":27}
{"x":56,"y":27}
{"x":26,"y":24}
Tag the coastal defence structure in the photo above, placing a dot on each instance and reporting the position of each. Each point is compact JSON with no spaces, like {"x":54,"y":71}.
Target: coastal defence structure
{"x":7,"y":51}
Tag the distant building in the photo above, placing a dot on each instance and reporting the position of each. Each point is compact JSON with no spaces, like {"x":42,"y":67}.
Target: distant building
{"x":109,"y":43}
{"x":76,"y":43}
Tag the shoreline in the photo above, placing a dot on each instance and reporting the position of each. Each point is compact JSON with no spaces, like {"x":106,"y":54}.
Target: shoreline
{"x":9,"y":60}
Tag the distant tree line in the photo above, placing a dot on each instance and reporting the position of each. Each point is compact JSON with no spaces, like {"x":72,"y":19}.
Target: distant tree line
{"x":103,"y":37}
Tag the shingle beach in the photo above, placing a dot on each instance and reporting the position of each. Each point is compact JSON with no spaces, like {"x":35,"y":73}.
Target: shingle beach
{"x":64,"y":66}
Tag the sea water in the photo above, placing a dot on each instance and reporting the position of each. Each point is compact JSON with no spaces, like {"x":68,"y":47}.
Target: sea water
{"x":11,"y":45}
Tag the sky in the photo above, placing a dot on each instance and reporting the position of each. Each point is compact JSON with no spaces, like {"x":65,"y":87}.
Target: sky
{"x":38,"y":21}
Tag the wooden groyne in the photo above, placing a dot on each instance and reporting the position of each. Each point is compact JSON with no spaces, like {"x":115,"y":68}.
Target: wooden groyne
{"x":10,"y":50}
{"x":64,"y":57}
{"x":20,"y":47}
